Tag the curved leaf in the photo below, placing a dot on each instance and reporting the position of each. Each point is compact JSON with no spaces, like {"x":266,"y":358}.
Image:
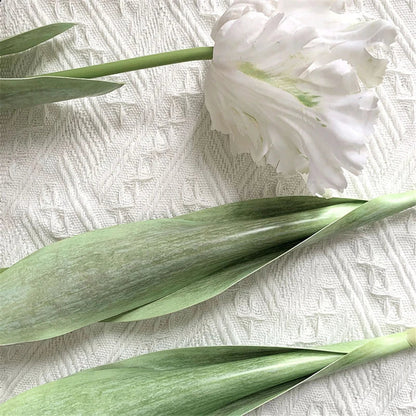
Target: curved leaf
{"x":264,"y":208}
{"x":27,"y":92}
{"x":355,"y":353}
{"x":151,"y":388}
{"x":204,"y":381}
{"x":34,"y":37}
{"x":216,"y":283}
{"x":103,"y":273}
{"x":139,"y":270}
{"x":197,"y":291}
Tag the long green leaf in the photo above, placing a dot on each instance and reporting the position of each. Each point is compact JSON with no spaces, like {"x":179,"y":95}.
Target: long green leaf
{"x":140,"y":270}
{"x":206,"y":381}
{"x":34,"y":37}
{"x":27,"y":92}
{"x":355,"y":353}
{"x":221,"y":280}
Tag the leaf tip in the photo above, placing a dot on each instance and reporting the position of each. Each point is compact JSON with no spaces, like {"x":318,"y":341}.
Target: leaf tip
{"x":62,"y":24}
{"x":114,"y":85}
{"x":71,"y":24}
{"x":62,"y":27}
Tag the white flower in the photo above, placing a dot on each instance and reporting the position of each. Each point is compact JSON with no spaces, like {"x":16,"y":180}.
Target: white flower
{"x":289,"y":83}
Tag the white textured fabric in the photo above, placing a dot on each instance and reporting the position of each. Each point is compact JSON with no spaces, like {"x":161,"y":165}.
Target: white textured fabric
{"x":147,"y":151}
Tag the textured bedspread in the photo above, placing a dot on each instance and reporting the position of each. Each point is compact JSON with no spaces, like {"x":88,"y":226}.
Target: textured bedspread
{"x":147,"y":151}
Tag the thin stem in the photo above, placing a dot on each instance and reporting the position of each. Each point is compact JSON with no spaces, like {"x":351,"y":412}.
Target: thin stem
{"x":133,"y":64}
{"x":385,"y":345}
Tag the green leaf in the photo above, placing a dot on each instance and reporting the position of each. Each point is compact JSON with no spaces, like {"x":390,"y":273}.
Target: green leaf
{"x":26,"y":92}
{"x":151,"y":268}
{"x":205,"y":381}
{"x":34,"y":37}
{"x":218,"y":282}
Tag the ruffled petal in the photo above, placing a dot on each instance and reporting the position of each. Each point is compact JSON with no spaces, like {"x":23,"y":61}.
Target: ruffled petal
{"x":353,"y":45}
{"x":242,"y":7}
{"x":285,"y":85}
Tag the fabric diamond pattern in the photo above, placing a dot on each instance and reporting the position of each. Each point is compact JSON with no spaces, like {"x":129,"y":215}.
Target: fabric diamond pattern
{"x":147,"y":151}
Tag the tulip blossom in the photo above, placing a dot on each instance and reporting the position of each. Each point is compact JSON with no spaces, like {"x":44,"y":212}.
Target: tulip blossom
{"x":290,"y":83}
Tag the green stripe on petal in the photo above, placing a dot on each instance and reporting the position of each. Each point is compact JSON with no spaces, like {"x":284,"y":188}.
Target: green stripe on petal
{"x":284,"y":83}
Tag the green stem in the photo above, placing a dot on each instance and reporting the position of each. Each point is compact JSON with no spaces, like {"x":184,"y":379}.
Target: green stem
{"x":133,"y":64}
{"x":389,"y":343}
{"x":372,"y":349}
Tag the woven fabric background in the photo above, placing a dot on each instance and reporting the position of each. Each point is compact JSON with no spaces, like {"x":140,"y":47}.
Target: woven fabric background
{"x":147,"y":151}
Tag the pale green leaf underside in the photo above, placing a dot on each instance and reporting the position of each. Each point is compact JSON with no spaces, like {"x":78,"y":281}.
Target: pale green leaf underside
{"x":79,"y":394}
{"x":252,"y":402}
{"x":210,"y":286}
{"x":34,"y":37}
{"x":196,"y":292}
{"x":152,"y":268}
{"x":27,"y":92}
{"x":214,"y":284}
{"x":361,"y":352}
{"x":195,"y":357}
{"x":195,"y":381}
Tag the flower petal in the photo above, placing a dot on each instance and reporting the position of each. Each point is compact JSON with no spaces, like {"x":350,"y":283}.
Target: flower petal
{"x":353,"y":45}
{"x":285,"y":85}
